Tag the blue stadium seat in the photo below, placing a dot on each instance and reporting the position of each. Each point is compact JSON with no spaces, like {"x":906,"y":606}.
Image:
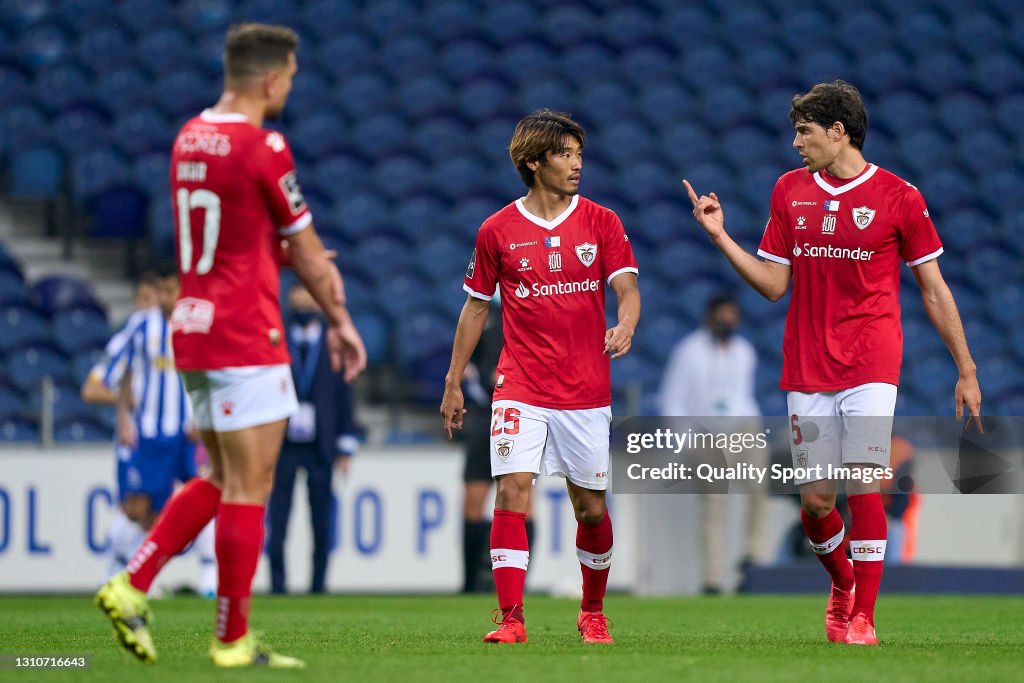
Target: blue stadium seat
{"x":767,"y":66}
{"x":205,"y":15}
{"x":346,"y":171}
{"x":592,"y":57}
{"x":484,"y":98}
{"x":80,"y":328}
{"x":550,"y":93}
{"x":568,"y":23}
{"x":442,"y":259}
{"x":22,"y":14}
{"x":12,"y":405}
{"x":903,"y":110}
{"x":345,"y":54}
{"x":28,"y":366}
{"x":143,"y":130}
{"x":15,"y":430}
{"x":82,"y":364}
{"x":12,"y":288}
{"x":362,"y":215}
{"x":165,"y":50}
{"x":421,"y":333}
{"x":1009,"y":110}
{"x":185,"y":92}
{"x":889,"y":71}
{"x":649,"y":180}
{"x":407,"y":56}
{"x":81,"y":430}
{"x":388,"y":18}
{"x":423,"y":216}
{"x":864,"y":31}
{"x":468,"y":216}
{"x":317,"y":135}
{"x":998,"y":192}
{"x":686,"y":143}
{"x":467,"y":59}
{"x":80,"y":129}
{"x":998,"y":73}
{"x":327,"y":18}
{"x":463,"y":174}
{"x":403,"y":174}
{"x":144,"y":18}
{"x":801,"y":31}
{"x":665,"y":104}
{"x":58,"y":293}
{"x":629,"y":25}
{"x":982,"y":150}
{"x":119,"y":212}
{"x":96,"y":171}
{"x":161,"y":225}
{"x":612,"y":103}
{"x":36,"y":173}
{"x":829,"y":63}
{"x":661,"y":222}
{"x":268,"y":11}
{"x":746,"y":24}
{"x":963,"y":112}
{"x":43,"y":44}
{"x":21,"y":325}
{"x":425,"y":95}
{"x":509,"y":24}
{"x":925,"y":148}
{"x":310,"y":95}
{"x":67,"y":402}
{"x":105,"y":48}
{"x":451,"y":20}
{"x":439,"y":133}
{"x":707,"y":64}
{"x":17,"y":82}
{"x":979,"y":29}
{"x":363,"y":94}
{"x":732,"y":105}
{"x":60,"y":86}
{"x":125,"y":88}
{"x":941,"y":72}
{"x":403,"y":295}
{"x":151,"y":173}
{"x":528,"y":57}
{"x":922,"y":31}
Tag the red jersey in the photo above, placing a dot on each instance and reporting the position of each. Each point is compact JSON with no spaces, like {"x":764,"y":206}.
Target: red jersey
{"x":552,"y":276}
{"x":235,"y":194}
{"x":844,"y":240}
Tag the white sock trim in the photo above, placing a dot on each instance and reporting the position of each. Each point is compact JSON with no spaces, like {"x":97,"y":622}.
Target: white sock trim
{"x":829,"y":545}
{"x":868,"y":551}
{"x":601,"y":561}
{"x":506,"y":557}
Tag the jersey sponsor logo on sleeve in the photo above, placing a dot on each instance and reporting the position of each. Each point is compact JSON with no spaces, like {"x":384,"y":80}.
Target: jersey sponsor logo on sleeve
{"x":471,"y":269}
{"x":862,"y":216}
{"x":275,"y":141}
{"x":289,"y":183}
{"x":587,"y":253}
{"x":192,"y":316}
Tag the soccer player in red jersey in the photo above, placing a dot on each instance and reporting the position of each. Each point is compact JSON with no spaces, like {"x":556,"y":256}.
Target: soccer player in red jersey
{"x":551,"y":253}
{"x":239,"y":216}
{"x":839,"y":228}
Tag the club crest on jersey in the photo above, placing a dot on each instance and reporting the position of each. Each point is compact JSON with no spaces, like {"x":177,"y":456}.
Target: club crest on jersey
{"x":503,"y":448}
{"x":587,"y":253}
{"x":862,"y":217}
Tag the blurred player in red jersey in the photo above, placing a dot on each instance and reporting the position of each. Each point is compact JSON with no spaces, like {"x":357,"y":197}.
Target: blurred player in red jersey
{"x":551,"y":253}
{"x":839,"y":227}
{"x":239,"y":215}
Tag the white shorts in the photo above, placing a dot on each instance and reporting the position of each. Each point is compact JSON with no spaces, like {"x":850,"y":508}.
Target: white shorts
{"x":237,"y":398}
{"x":837,"y":428}
{"x":571,"y":443}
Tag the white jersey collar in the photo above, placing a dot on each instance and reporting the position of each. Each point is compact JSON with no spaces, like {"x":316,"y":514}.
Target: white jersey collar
{"x":554,"y":222}
{"x":860,"y":180}
{"x":214,"y":117}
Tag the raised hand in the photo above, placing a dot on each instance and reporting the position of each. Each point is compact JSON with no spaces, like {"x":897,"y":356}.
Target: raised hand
{"x":708,"y":212}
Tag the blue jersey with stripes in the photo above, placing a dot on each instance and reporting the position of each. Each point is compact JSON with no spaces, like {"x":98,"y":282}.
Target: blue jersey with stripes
{"x":143,"y":348}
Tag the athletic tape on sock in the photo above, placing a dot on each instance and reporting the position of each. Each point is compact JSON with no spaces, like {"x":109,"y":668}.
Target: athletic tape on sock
{"x":829,"y":545}
{"x":506,"y":557}
{"x":601,"y":561}
{"x":868,"y":551}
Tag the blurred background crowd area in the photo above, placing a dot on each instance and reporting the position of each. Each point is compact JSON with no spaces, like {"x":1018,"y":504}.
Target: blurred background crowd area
{"x":400,"y":119}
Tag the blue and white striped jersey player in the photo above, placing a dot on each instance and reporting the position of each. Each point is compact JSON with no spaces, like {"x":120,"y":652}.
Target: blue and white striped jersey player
{"x":156,"y":441}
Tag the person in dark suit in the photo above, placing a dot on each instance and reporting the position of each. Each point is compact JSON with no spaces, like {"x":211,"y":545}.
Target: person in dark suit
{"x":320,"y":435}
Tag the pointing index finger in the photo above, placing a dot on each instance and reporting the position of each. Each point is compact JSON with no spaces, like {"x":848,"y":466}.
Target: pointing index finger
{"x":690,"y":193}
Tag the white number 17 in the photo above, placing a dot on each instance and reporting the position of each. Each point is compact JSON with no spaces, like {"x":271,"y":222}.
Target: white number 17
{"x":199,"y":199}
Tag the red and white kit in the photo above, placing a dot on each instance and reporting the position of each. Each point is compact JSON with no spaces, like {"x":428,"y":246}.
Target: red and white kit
{"x":552,"y":277}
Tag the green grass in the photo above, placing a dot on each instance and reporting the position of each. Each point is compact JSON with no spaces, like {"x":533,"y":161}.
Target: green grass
{"x":437,"y":638}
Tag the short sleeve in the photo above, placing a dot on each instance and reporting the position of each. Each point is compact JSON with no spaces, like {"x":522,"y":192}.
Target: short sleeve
{"x":275,"y":168}
{"x":774,"y":243}
{"x":919,"y":242}
{"x":616,"y":252}
{"x":482,"y":272}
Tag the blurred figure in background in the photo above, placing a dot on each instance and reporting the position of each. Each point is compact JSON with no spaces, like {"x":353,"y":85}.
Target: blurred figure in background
{"x":320,"y":436}
{"x":710,"y":374}
{"x":901,"y":508}
{"x":156,"y":441}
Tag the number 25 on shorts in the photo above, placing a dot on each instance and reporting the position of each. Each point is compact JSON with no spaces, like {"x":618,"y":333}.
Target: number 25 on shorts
{"x":505,"y":421}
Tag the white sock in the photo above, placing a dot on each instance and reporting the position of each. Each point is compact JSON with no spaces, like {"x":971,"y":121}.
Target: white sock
{"x":125,"y":537}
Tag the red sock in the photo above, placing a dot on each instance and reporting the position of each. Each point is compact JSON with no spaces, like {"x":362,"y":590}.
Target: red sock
{"x":594,"y":550}
{"x":826,"y":536}
{"x":510,"y":555}
{"x":184,"y":516}
{"x":238,"y":541}
{"x":868,"y":534}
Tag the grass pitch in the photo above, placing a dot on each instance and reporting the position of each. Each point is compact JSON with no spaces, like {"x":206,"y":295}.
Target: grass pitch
{"x":438,"y":638}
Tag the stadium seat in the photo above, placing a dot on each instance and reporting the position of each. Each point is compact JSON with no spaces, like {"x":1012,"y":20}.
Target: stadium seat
{"x":119,"y":212}
{"x":60,"y":86}
{"x":732,"y":105}
{"x":426,"y":95}
{"x":205,"y":15}
{"x":317,"y":135}
{"x":998,"y":73}
{"x":963,"y":112}
{"x":327,"y":18}
{"x":105,"y":48}
{"x":925,"y":149}
{"x":451,"y":20}
{"x":922,"y":30}
{"x":80,"y":130}
{"x":998,"y":193}
{"x":363,"y":215}
{"x":528,"y":57}
{"x":401,"y":175}
{"x":801,"y":31}
{"x":444,"y":132}
{"x":828,"y":64}
{"x":12,"y":288}
{"x":509,"y":24}
{"x":629,"y":25}
{"x":363,"y":94}
{"x":342,"y":172}
{"x":58,"y":293}
{"x":1009,"y":110}
{"x":593,"y":57}
{"x":268,"y":11}
{"x":979,"y":29}
{"x":865,"y":31}
{"x":27,"y":367}
{"x":463,"y":174}
{"x":889,"y":71}
{"x":421,"y":333}
{"x":467,"y":59}
{"x":125,"y":88}
{"x":80,"y":329}
{"x":482,"y":99}
{"x":183,"y":93}
{"x":568,"y":24}
{"x":82,"y":364}
{"x":81,"y":430}
{"x":442,"y":259}
{"x":665,"y":104}
{"x":345,"y":54}
{"x":612,"y":103}
{"x":43,"y":44}
{"x":30,"y":123}
{"x":12,"y":405}
{"x":940,"y":72}
{"x":469,"y":214}
{"x":545,"y":93}
{"x":21,"y":325}
{"x":403,"y":295}
{"x":708,"y":63}
{"x":145,"y":18}
{"x":67,"y":402}
{"x":686,"y":143}
{"x":388,"y":18}
{"x":36,"y":173}
{"x":164,"y":51}
{"x":151,"y":173}
{"x":143,"y":130}
{"x":22,"y":431}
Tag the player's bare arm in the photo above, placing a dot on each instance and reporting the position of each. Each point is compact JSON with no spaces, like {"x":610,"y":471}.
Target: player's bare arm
{"x":942,"y":310}
{"x":320,"y":276}
{"x":768,"y":278}
{"x":125,"y":403}
{"x":467,"y":336}
{"x":619,"y":339}
{"x":94,"y":391}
